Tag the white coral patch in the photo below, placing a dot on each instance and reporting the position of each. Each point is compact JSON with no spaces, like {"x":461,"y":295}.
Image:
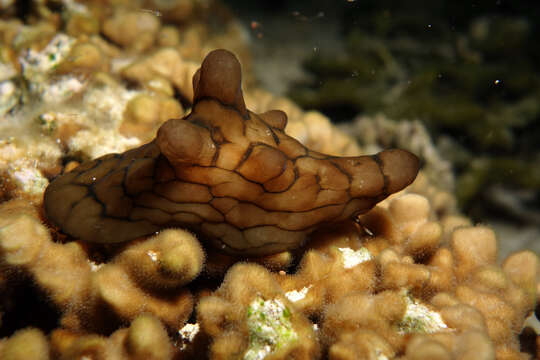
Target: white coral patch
{"x":8,"y":96}
{"x":7,"y":71}
{"x":37,"y":64}
{"x":187,"y":334}
{"x":99,"y":142}
{"x":297,"y":295}
{"x":351,"y":258}
{"x":420,"y":318}
{"x":18,"y":152}
{"x":153,"y":255}
{"x":60,"y":89}
{"x":270,"y":328}
{"x":75,"y":7}
{"x":29,"y":180}
{"x":106,"y":104}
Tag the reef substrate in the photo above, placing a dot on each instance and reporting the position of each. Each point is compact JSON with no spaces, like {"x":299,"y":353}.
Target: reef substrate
{"x":409,"y":279}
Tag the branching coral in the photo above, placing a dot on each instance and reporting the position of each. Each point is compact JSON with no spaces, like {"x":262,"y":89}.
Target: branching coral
{"x":397,"y":282}
{"x":146,"y":338}
{"x":63,"y":82}
{"x":311,"y":128}
{"x":135,"y":281}
{"x":409,"y":279}
{"x":25,"y":344}
{"x":164,"y":65}
{"x":455,"y":295}
{"x":250,"y":315}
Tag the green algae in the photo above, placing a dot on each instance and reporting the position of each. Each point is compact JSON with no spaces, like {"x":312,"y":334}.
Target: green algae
{"x":270,"y":328}
{"x":473,"y":79}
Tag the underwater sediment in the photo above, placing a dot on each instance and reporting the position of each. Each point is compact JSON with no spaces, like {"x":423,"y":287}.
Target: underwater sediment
{"x":396,"y":272}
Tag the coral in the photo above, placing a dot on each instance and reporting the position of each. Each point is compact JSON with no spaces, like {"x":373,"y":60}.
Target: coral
{"x":166,"y":64}
{"x":145,"y":338}
{"x":9,"y":95}
{"x":83,"y":57}
{"x":250,"y":315}
{"x":24,"y":162}
{"x":25,"y":344}
{"x":363,"y":344}
{"x":166,"y":261}
{"x":40,"y":69}
{"x":338,"y":262}
{"x":144,"y":113}
{"x":136,"y":30}
{"x":471,"y":344}
{"x":410,"y":275}
{"x":409,"y":279}
{"x":197,"y":40}
{"x":176,"y":10}
{"x":335,"y":264}
{"x":402,"y":280}
{"x":82,"y":288}
{"x":168,"y":36}
{"x":311,"y":128}
{"x":356,"y":311}
{"x":97,"y":142}
{"x":208,"y":170}
{"x":80,"y":20}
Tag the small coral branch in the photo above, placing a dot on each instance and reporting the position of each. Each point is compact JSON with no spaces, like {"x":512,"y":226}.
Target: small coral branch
{"x":134,"y":281}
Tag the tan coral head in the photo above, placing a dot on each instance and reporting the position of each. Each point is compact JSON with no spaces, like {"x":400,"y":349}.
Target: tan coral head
{"x":229,"y":174}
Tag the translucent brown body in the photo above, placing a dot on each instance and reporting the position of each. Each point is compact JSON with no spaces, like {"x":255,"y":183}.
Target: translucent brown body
{"x":231,"y":175}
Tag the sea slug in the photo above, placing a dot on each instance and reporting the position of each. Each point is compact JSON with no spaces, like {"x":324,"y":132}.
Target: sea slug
{"x":233,"y":176}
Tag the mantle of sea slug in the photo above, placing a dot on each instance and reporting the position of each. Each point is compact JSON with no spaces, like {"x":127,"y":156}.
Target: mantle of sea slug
{"x":231,"y":175}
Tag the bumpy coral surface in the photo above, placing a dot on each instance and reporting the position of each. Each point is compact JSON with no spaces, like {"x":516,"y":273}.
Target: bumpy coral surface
{"x":249,"y":314}
{"x":231,"y":174}
{"x":134,"y":281}
{"x":408,"y":279}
